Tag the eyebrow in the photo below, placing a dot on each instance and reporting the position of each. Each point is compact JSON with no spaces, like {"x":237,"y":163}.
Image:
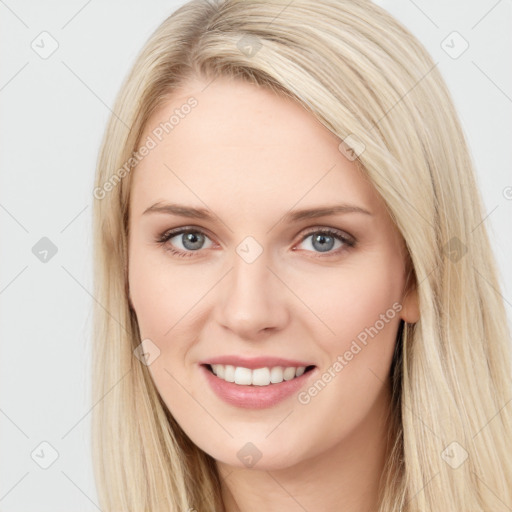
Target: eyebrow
{"x":291,"y":216}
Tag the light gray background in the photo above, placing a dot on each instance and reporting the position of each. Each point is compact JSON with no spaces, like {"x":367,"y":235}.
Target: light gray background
{"x":54,"y":112}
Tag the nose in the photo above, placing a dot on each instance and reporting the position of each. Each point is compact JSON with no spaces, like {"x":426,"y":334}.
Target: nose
{"x":252,"y":299}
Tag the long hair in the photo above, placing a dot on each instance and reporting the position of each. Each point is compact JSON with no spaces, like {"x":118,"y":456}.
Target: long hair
{"x":368,"y":80}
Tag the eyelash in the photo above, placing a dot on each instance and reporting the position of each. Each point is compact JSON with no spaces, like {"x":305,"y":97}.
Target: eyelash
{"x":349,"y":242}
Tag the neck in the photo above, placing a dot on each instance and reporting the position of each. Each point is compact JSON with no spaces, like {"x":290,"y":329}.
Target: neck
{"x":347,"y":477}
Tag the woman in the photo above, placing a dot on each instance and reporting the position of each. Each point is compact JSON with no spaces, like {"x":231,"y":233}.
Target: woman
{"x":254,"y":350}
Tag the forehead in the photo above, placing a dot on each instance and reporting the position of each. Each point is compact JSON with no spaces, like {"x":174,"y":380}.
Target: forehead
{"x":261,"y":147}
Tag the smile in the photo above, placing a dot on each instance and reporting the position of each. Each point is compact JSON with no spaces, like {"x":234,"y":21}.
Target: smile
{"x":257,"y":377}
{"x":257,"y":388}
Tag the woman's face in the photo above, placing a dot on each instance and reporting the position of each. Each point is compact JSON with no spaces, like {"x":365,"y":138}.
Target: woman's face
{"x":252,"y":279}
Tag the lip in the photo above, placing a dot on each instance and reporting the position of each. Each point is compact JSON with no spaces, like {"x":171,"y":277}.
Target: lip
{"x":255,"y":397}
{"x":252,"y":363}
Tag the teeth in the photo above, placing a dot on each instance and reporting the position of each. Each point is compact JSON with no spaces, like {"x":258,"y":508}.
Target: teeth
{"x":289,"y":373}
{"x":276,"y":375}
{"x":229,"y":372}
{"x":243,"y":376}
{"x":220,"y":370}
{"x":258,"y":377}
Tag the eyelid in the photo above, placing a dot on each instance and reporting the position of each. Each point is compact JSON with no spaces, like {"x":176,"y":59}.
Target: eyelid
{"x":171,"y":233}
{"x":335,"y":231}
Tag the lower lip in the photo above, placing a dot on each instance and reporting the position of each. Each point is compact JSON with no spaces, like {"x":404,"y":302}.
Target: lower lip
{"x":254,"y":397}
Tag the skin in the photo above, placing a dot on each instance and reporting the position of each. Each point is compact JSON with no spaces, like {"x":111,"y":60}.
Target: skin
{"x":250,"y":156}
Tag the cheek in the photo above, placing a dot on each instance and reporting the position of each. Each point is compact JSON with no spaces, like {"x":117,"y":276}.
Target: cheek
{"x":170,"y":301}
{"x":162,"y":296}
{"x":164,"y":300}
{"x":361,"y":305}
{"x":353,"y":297}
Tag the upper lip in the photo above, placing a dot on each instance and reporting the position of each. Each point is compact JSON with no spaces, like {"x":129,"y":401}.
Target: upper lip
{"x":255,"y":362}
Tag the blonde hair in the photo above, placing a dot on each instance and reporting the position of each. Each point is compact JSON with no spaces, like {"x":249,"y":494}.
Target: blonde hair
{"x":367,"y":79}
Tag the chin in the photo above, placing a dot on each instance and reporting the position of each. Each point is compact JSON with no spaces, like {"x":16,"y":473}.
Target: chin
{"x":264,"y":456}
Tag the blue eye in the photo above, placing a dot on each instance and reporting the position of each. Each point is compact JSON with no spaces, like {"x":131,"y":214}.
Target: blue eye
{"x":324,"y":240}
{"x":192,"y":241}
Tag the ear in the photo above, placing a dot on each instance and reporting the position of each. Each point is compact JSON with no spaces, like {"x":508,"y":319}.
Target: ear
{"x":129,"y":297}
{"x":130,"y":303}
{"x":128,"y":293}
{"x":410,"y":312}
{"x":127,"y":284}
{"x":410,"y":307}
